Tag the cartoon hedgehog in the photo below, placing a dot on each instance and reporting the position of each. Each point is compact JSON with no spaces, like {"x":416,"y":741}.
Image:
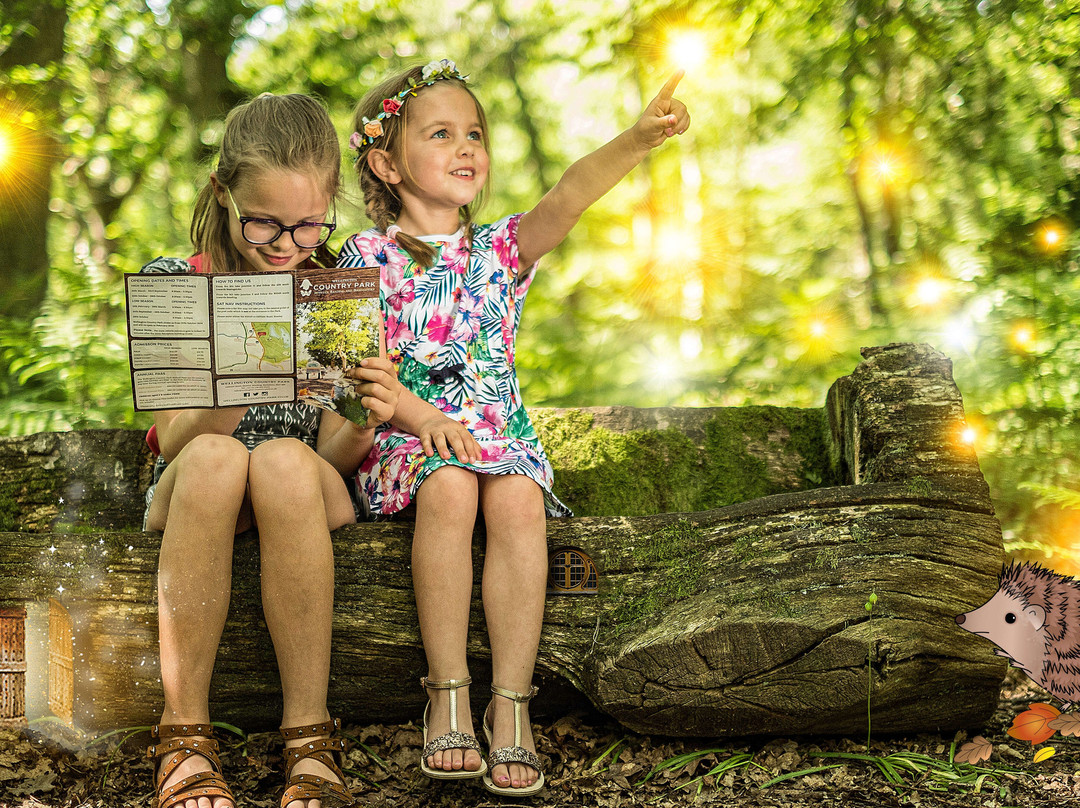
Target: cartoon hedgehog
{"x":1034,"y":618}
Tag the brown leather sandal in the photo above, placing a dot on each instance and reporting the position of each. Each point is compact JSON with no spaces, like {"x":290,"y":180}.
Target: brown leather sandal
{"x":327,"y":751}
{"x":176,"y":740}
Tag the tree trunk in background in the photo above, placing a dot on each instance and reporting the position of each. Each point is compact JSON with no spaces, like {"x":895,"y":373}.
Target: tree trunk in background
{"x":27,"y":116}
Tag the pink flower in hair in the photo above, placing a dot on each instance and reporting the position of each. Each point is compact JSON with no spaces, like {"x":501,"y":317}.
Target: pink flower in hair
{"x":391,"y":106}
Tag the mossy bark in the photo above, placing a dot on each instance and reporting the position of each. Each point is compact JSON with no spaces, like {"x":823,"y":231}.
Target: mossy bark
{"x":741,"y":620}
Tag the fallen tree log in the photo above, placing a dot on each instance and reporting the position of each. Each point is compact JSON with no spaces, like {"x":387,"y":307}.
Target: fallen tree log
{"x":743,"y":619}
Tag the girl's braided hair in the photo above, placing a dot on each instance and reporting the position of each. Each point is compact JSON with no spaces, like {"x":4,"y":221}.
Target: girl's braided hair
{"x":381,"y":204}
{"x":270,"y":132}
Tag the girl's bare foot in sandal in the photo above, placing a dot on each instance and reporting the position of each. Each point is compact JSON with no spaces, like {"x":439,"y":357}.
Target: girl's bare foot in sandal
{"x":515,"y":768}
{"x":313,"y":758}
{"x":187,"y":770}
{"x":450,"y":751}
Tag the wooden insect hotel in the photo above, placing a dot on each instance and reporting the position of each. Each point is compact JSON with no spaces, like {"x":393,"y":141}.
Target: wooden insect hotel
{"x":12,"y":665}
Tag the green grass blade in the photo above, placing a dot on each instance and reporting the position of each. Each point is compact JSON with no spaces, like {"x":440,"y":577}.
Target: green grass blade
{"x":800,"y":773}
{"x":230,"y":728}
{"x":678,"y":762}
{"x":611,"y":750}
{"x":367,"y":750}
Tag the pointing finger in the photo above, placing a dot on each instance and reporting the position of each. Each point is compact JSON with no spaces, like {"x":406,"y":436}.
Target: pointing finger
{"x":668,"y":90}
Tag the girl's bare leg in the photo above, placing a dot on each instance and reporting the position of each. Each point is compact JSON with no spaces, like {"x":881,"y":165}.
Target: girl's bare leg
{"x":442,"y":580}
{"x":514,"y":588}
{"x":197,"y":502}
{"x":297,"y":498}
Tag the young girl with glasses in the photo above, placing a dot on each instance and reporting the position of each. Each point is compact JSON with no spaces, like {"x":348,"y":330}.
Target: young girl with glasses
{"x":268,"y":205}
{"x":452,"y":294}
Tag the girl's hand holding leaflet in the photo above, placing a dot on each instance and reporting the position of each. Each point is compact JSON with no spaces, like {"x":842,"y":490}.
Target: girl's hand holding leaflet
{"x":381,"y":388}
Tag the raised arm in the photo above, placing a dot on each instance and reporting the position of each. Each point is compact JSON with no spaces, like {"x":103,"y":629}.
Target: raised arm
{"x":584,"y":182}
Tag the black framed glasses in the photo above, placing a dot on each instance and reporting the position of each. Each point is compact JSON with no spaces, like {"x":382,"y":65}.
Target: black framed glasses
{"x":305,"y":235}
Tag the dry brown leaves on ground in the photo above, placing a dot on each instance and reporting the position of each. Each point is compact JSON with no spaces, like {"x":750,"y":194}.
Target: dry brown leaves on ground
{"x":591,"y":762}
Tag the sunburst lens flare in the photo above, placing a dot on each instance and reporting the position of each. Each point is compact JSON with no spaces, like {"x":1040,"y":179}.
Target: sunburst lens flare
{"x":687,"y":49}
{"x":7,"y":149}
{"x":1051,"y":237}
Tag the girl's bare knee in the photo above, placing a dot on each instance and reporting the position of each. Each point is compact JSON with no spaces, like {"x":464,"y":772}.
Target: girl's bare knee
{"x":211,"y":455}
{"x":283,"y":464}
{"x":452,"y":481}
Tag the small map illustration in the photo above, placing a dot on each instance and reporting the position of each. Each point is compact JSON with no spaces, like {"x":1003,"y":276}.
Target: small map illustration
{"x":253,"y":347}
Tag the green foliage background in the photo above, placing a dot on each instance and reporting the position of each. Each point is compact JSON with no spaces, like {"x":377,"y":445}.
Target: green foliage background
{"x":857,"y":173}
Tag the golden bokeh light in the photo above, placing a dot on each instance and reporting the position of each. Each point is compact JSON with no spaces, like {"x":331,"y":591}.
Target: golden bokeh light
{"x":1051,"y":236}
{"x":25,"y":147}
{"x":972,"y":432}
{"x":1022,"y":336}
{"x":885,"y":164}
{"x":819,"y":333}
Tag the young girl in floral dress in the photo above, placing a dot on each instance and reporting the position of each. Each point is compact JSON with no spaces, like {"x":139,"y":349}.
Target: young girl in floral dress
{"x":452,"y":294}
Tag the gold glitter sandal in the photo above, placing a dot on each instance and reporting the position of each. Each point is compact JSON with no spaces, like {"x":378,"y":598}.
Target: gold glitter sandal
{"x":515,"y":753}
{"x":451,"y":740}
{"x":327,"y":751}
{"x":182,"y":741}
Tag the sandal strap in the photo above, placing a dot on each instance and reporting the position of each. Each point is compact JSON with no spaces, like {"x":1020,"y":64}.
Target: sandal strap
{"x":451,"y":740}
{"x":514,"y":695}
{"x":206,"y":747}
{"x":313,"y":787}
{"x":324,"y":750}
{"x":327,"y":751}
{"x":197,"y":786}
{"x":518,"y":699}
{"x":311,"y":730}
{"x":163,"y":731}
{"x":447,"y":684}
{"x":514,"y":754}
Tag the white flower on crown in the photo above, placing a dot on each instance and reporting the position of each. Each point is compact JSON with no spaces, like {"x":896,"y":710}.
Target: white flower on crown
{"x":443,"y":68}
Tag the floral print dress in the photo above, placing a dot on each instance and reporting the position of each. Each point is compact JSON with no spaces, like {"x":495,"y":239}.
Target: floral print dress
{"x":450,"y":331}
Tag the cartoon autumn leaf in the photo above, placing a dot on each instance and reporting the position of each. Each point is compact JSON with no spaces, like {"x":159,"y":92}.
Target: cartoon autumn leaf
{"x":974,"y":751}
{"x":1044,"y":753}
{"x":1032,"y":724}
{"x":1067,"y":725}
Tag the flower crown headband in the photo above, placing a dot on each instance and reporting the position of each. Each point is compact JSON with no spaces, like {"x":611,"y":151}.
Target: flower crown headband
{"x":373,"y":128}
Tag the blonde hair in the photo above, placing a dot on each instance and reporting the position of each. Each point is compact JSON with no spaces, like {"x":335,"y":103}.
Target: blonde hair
{"x":381,"y":204}
{"x":271,"y":132}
